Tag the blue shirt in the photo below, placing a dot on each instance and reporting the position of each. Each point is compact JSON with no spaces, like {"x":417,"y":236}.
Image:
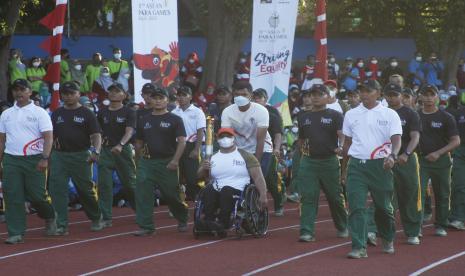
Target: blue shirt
{"x":350,"y":82}
{"x":416,"y":68}
{"x":432,"y":72}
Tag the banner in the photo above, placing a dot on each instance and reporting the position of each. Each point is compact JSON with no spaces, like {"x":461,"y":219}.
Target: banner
{"x":272,"y":42}
{"x":155,"y":44}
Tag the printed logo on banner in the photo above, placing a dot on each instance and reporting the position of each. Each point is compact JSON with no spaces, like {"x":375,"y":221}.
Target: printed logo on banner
{"x":274,"y":20}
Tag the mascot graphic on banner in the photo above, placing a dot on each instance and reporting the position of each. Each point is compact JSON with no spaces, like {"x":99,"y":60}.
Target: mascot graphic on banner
{"x":160,"y":67}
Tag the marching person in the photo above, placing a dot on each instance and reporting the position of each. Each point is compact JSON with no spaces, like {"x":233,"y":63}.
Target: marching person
{"x":406,"y":178}
{"x":118,"y":123}
{"x":75,"y":130}
{"x":320,"y":134}
{"x":438,"y":138}
{"x":457,"y":214}
{"x":26,"y":137}
{"x":372,"y":142}
{"x":160,"y":143}
{"x":194,"y":123}
{"x":146,"y":92}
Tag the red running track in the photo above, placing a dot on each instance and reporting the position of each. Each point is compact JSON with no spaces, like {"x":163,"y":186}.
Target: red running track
{"x":114,"y":251}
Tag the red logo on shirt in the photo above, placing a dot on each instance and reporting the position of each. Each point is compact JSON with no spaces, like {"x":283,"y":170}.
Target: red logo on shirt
{"x":382,"y":151}
{"x":34,"y":146}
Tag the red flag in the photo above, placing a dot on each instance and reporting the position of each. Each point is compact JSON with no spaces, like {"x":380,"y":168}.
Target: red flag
{"x":54,"y":21}
{"x":321,"y":67}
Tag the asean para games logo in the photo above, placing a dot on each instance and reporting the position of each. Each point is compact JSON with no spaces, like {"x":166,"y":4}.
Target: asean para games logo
{"x":34,"y":147}
{"x":274,"y":20}
{"x":382,"y":151}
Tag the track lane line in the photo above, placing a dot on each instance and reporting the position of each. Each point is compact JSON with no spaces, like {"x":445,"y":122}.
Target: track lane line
{"x":183,"y":249}
{"x":438,"y":263}
{"x":284,"y":261}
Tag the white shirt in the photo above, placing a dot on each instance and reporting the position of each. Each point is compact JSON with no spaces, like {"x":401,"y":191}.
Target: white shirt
{"x":193,"y":119}
{"x":245,"y":124}
{"x":23,"y":127}
{"x":229,"y":169}
{"x":335,"y":106}
{"x":371,"y":131}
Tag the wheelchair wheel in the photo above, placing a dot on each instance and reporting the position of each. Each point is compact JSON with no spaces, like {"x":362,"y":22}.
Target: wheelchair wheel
{"x":198,"y":213}
{"x":256,"y":219}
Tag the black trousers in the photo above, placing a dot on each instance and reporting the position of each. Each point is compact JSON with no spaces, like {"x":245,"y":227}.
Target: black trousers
{"x":223,"y":200}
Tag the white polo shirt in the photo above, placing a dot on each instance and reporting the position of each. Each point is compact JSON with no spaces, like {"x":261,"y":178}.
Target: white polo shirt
{"x":193,"y":119}
{"x":229,"y":169}
{"x":23,"y":127}
{"x":245,"y":125}
{"x":371,"y":131}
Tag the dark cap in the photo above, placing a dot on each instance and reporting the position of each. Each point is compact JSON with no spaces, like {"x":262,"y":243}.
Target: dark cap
{"x":371,"y":85}
{"x":260,"y":92}
{"x":159,"y":91}
{"x":427,"y":88}
{"x":185,"y":90}
{"x":392,"y":87}
{"x":148,"y":88}
{"x":21,"y":83}
{"x":222,"y":88}
{"x":116,"y":86}
{"x":408,"y":91}
{"x":69,"y":86}
{"x":319,"y":88}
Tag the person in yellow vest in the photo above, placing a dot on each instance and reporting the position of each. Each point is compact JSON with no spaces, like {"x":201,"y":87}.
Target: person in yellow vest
{"x":64,"y":66}
{"x":93,"y":69}
{"x":16,"y":69}
{"x":78,"y":75}
{"x":35,"y":73}
{"x":117,"y":64}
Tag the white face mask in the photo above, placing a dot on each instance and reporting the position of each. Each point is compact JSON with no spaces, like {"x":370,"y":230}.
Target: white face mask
{"x":360,"y":64}
{"x":106,"y":102}
{"x":117,"y":55}
{"x":126,"y":76}
{"x":394,"y":64}
{"x":36,"y":64}
{"x":374,"y":61}
{"x":241,"y":101}
{"x":226,"y":142}
{"x":332,"y":60}
{"x":191,"y":61}
{"x":419,"y":59}
{"x":78,"y":67}
{"x":332,"y":93}
{"x":295,"y":129}
{"x":106,"y":74}
{"x":242,"y":60}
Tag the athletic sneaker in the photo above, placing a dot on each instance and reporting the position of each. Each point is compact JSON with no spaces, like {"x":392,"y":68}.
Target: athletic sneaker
{"x":440,"y":232}
{"x":51,"y":226}
{"x":357,"y":253}
{"x":107,"y":223}
{"x":62,"y":231}
{"x":279,"y":212}
{"x":144,"y":233}
{"x":413,"y":240}
{"x":343,"y":234}
{"x":97,"y":225}
{"x":294,"y":197}
{"x":182,"y":227}
{"x":306,"y":238}
{"x":427,"y":217}
{"x":371,"y":238}
{"x":14,"y":239}
{"x":388,"y":247}
{"x":456,"y":224}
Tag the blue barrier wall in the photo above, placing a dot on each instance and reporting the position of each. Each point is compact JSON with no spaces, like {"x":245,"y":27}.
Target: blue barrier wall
{"x":85,"y":46}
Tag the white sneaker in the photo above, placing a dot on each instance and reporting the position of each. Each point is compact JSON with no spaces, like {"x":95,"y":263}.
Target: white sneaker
{"x":388,"y":247}
{"x":371,"y":238}
{"x":458,"y":225}
{"x":440,"y":232}
{"x":413,"y":240}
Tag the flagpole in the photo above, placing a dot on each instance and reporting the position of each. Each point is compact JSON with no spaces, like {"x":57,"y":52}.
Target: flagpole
{"x":69,"y":19}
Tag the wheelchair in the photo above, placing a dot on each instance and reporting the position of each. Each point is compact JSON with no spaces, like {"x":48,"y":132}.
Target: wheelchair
{"x":246,"y":217}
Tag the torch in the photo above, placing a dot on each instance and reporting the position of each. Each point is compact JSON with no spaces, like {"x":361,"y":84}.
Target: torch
{"x":209,"y":137}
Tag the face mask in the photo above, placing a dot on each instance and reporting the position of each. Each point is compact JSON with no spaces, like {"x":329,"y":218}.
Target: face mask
{"x":36,"y":64}
{"x":374,"y":61}
{"x":191,"y":61}
{"x":360,"y":64}
{"x":78,"y":67}
{"x":241,"y":101}
{"x":226,"y":142}
{"x":394,"y":64}
{"x":117,"y":56}
{"x":295,"y":129}
{"x":106,"y":74}
{"x":418,"y":59}
{"x":126,"y":76}
{"x":242,"y":60}
{"x":332,"y":93}
{"x":106,"y":102}
{"x":332,"y":60}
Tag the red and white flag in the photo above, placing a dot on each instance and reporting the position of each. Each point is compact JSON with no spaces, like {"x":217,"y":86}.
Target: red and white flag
{"x":321,"y":68}
{"x":54,"y":21}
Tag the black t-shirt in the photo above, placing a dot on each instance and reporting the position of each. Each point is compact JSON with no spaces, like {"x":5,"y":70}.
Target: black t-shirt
{"x":142,"y":112}
{"x":319,"y":132}
{"x":459,"y":115}
{"x":437,"y":128}
{"x":159,"y":133}
{"x":72,"y":129}
{"x":410,"y":122}
{"x":275,"y":123}
{"x":114,"y":124}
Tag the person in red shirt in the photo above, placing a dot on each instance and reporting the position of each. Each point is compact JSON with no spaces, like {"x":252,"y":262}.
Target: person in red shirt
{"x":242,"y":67}
{"x":372,"y":70}
{"x":308,"y":72}
{"x":203,"y":99}
{"x":361,"y":70}
{"x":191,"y":70}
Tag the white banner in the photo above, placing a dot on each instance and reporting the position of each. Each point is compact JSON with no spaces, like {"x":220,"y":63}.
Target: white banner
{"x":272,"y":42}
{"x":155,"y":43}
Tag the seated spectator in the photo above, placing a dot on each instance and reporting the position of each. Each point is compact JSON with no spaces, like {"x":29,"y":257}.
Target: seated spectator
{"x":229,"y":171}
{"x":333,"y":67}
{"x":16,"y":68}
{"x":433,"y":69}
{"x":361,"y":70}
{"x":101,"y":84}
{"x":78,"y":75}
{"x":349,"y":75}
{"x":203,"y":99}
{"x":392,"y":69}
{"x":35,"y":73}
{"x":191,"y":71}
{"x":415,"y":69}
{"x":372,"y":71}
{"x":242,"y":67}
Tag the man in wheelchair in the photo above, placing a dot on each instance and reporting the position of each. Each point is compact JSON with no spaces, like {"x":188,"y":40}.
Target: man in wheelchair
{"x":228,"y":171}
